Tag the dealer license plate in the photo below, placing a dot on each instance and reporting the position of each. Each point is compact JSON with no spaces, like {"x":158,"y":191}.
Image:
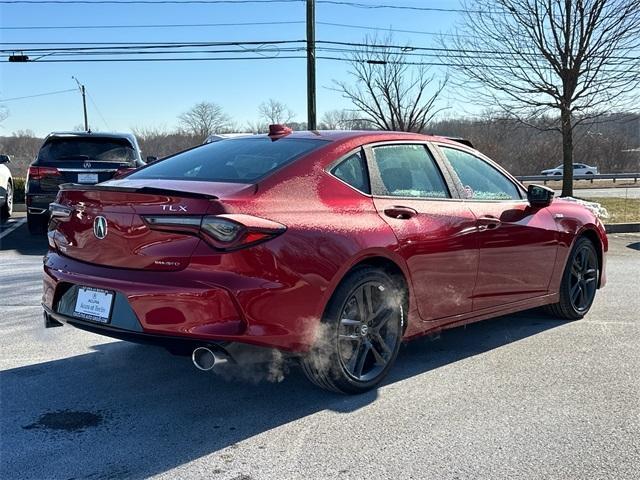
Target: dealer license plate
{"x":94,"y":304}
{"x":87,"y":178}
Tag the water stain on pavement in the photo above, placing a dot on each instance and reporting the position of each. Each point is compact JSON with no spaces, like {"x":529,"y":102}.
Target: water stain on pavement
{"x":67,"y":420}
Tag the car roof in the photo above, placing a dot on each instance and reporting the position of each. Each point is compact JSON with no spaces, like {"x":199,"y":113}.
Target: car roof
{"x":371,"y":136}
{"x":129,"y":136}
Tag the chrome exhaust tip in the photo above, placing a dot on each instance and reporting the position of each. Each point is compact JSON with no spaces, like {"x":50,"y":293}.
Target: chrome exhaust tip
{"x":205,"y":359}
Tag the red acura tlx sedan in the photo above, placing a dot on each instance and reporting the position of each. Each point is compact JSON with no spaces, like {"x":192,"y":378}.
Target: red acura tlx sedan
{"x":331,"y":246}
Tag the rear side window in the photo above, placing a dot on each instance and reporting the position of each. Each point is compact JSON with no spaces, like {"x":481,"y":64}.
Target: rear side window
{"x":241,"y":160}
{"x":409,"y":171}
{"x":352,"y":170}
{"x":82,"y":148}
{"x":480,"y":180}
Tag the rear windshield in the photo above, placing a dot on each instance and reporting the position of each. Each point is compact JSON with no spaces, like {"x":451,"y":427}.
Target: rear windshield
{"x":81,"y":148}
{"x":242,"y":160}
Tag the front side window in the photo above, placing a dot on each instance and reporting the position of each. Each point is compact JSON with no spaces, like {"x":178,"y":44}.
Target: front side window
{"x":240,"y":160}
{"x":480,"y":180}
{"x":409,"y":171}
{"x":352,"y":170}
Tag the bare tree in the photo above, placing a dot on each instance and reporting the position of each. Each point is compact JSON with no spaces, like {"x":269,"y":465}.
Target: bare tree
{"x":343,"y":120}
{"x":391,"y":91}
{"x":578,"y":58}
{"x":273,"y":111}
{"x":204,"y":119}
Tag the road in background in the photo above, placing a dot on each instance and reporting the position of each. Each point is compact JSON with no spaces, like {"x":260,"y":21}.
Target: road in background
{"x":522,"y":396}
{"x":631,"y":192}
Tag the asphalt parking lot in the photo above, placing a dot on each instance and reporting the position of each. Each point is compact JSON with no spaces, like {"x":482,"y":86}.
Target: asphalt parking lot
{"x":523,"y":396}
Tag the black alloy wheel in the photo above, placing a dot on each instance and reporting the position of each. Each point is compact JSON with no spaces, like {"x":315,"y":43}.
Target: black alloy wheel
{"x":361,"y":333}
{"x":579,"y":282}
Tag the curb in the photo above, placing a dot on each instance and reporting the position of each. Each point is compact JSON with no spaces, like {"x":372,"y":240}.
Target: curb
{"x":19,"y":207}
{"x":623,"y":228}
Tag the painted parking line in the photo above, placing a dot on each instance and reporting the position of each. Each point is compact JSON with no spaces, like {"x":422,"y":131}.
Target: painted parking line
{"x":14,"y":226}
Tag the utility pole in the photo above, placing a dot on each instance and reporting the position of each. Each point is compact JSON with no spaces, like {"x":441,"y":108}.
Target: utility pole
{"x":311,"y":65}
{"x":84,"y":103}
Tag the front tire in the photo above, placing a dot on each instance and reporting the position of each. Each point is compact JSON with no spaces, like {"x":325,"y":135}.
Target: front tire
{"x":579,"y":282}
{"x":358,"y":340}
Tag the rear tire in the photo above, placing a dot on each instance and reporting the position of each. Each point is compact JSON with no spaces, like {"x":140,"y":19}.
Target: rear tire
{"x":579,"y":282}
{"x":358,"y":340}
{"x":7,"y":208}
{"x":37,"y":224}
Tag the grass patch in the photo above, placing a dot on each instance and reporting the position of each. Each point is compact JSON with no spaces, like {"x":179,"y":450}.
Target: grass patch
{"x":621,"y":210}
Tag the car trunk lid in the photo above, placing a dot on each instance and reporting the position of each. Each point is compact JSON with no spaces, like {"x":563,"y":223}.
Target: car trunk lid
{"x":105,"y":223}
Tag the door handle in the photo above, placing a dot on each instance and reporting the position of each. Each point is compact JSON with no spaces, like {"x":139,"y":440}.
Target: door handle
{"x":488,"y":222}
{"x":399,"y":212}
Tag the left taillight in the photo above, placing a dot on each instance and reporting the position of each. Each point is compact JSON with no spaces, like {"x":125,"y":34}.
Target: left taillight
{"x":38,"y":173}
{"x":223,"y":232}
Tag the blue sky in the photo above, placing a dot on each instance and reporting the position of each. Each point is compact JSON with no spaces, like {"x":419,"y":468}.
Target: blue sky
{"x":153,"y":94}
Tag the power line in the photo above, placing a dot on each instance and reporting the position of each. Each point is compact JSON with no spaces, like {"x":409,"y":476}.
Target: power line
{"x":129,"y":46}
{"x":410,"y":48}
{"x":276,"y":51}
{"x":397,"y":7}
{"x":207,"y":25}
{"x":138,"y":2}
{"x":207,"y":59}
{"x":263,"y":45}
{"x":37,"y":95}
{"x":93,"y":102}
{"x":391,"y":29}
{"x":162,"y":25}
{"x":174,"y":59}
{"x":19,"y":44}
{"x":222,"y":2}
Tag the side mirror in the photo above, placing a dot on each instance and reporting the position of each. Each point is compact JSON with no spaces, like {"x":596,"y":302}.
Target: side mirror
{"x":152,"y":159}
{"x":539,"y":195}
{"x":5,"y":159}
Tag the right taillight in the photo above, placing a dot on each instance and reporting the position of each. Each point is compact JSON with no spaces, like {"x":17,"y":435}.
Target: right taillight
{"x":223,"y":232}
{"x":38,"y":173}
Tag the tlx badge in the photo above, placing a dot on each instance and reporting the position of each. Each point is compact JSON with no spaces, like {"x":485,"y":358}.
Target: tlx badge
{"x":174,"y":208}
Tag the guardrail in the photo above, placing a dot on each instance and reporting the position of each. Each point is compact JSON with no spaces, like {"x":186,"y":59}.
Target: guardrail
{"x":592,"y":177}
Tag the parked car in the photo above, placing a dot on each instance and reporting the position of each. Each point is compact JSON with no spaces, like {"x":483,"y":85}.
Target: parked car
{"x":333,"y":247}
{"x":75,"y":157}
{"x":578,"y":169}
{"x":6,"y":189}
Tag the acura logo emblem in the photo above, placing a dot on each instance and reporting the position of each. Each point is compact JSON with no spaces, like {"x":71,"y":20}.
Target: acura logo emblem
{"x":100,"y":227}
{"x":86,"y":164}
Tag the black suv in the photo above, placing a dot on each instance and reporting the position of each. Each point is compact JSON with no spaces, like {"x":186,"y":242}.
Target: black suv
{"x":75,"y":157}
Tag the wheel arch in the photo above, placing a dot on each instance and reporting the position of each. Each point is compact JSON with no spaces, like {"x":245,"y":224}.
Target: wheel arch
{"x":594,"y":237}
{"x":394,"y":265}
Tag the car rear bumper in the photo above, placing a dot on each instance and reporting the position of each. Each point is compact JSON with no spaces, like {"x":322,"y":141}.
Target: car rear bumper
{"x":188,"y":305}
{"x":174,"y":343}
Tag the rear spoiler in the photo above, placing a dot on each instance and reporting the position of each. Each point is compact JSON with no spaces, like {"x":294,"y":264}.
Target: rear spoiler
{"x":148,"y":190}
{"x":463,"y":141}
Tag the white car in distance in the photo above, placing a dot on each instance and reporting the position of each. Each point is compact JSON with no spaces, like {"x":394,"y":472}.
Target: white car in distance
{"x":578,"y":169}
